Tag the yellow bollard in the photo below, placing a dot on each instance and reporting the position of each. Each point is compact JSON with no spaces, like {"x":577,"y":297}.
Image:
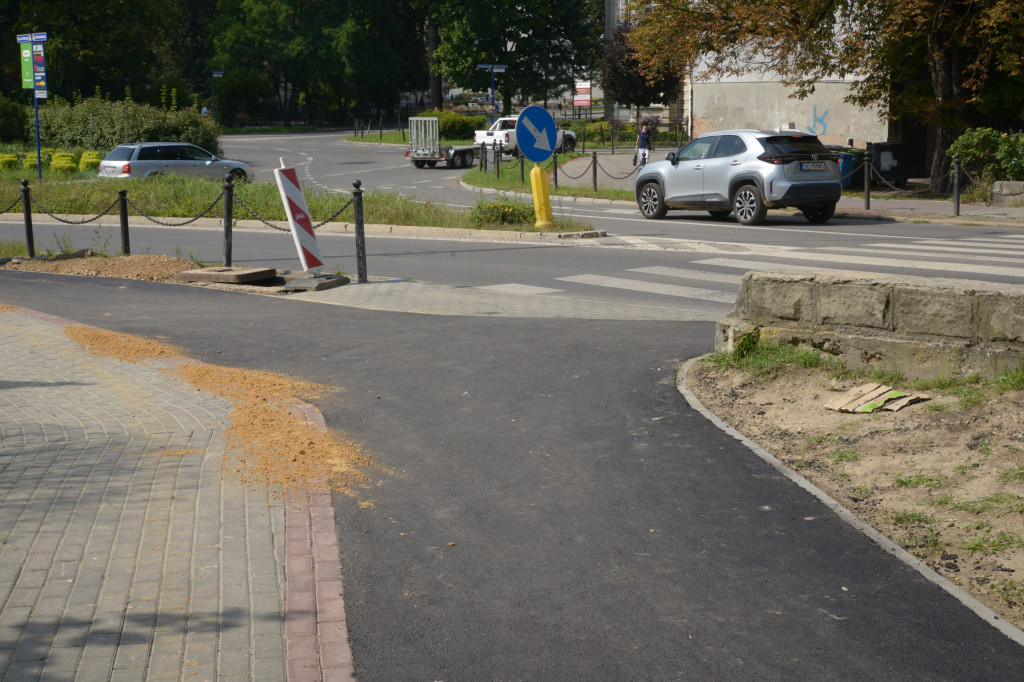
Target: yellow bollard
{"x":541,"y":202}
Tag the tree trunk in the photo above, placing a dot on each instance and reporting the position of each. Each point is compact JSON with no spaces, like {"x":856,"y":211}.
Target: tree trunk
{"x":433,"y":41}
{"x":944,"y":68}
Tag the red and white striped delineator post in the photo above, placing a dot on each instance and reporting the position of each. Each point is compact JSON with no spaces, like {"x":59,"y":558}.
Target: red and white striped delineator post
{"x":298,"y":218}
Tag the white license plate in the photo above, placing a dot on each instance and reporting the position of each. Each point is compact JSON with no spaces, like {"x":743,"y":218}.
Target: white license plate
{"x":812,"y":165}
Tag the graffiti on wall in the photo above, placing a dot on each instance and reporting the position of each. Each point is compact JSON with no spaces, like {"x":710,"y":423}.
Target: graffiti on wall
{"x":819,"y":126}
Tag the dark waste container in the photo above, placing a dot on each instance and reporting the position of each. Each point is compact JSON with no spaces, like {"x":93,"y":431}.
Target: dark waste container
{"x":847,"y":164}
{"x":891,"y":161}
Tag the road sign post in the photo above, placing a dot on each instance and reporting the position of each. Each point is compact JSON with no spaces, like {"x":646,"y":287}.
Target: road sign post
{"x":213,"y":94}
{"x":494,"y":68}
{"x":33,"y":75}
{"x":536,"y":136}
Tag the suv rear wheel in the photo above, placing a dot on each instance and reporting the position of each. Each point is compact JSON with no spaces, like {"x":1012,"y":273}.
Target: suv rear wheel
{"x":748,"y":205}
{"x":651,"y":203}
{"x":819,"y":214}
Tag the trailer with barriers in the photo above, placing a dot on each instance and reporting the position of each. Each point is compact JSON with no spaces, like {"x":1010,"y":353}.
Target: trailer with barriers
{"x":425,"y":148}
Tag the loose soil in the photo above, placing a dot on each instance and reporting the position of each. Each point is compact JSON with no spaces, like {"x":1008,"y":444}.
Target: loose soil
{"x":944,"y":482}
{"x":271,"y":441}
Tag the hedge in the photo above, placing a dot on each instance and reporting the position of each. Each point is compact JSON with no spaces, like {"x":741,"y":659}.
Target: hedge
{"x":455,"y":126}
{"x":98,"y":124}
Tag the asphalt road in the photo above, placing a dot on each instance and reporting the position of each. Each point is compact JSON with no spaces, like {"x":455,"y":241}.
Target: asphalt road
{"x":556,"y":510}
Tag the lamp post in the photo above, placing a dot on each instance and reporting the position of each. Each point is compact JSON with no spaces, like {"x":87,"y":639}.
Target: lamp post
{"x":216,"y":75}
{"x":494,"y":68}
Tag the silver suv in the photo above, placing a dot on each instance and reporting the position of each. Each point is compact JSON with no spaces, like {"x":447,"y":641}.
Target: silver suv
{"x":142,"y":159}
{"x":745,"y":172}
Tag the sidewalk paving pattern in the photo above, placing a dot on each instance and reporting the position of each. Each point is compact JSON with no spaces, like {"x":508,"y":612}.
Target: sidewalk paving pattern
{"x":125,"y":554}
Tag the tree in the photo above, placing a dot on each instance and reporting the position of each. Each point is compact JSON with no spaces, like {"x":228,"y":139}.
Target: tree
{"x":623,"y":81}
{"x":931,"y":60}
{"x":546,"y":44}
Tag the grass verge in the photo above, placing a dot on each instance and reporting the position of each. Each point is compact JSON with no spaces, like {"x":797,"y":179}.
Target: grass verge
{"x":175,"y":196}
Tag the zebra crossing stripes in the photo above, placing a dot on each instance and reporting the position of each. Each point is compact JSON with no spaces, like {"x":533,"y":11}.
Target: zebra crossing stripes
{"x":652,"y":287}
{"x":909,"y":251}
{"x":700,"y":275}
{"x":853,"y":262}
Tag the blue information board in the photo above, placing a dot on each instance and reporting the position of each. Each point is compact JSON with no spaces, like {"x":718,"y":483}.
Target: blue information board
{"x":536,"y":133}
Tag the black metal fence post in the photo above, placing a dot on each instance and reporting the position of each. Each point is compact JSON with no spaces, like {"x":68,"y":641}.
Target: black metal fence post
{"x":554,"y":165}
{"x":593,"y":169}
{"x":357,"y":210}
{"x":522,"y":171}
{"x":867,"y":180}
{"x":483,"y":157}
{"x":122,"y":204}
{"x":497,"y":160}
{"x":27,"y":203}
{"x":956,"y":184}
{"x":229,"y":208}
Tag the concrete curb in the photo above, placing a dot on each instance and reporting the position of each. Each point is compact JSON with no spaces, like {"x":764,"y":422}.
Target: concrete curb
{"x":844,"y":514}
{"x":316,"y":629}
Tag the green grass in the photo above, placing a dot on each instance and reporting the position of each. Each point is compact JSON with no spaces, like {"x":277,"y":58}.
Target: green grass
{"x":1010,"y":591}
{"x":1006,"y":503}
{"x":1015,"y":474}
{"x":12,"y":248}
{"x":924,"y":543}
{"x":764,"y":360}
{"x":918,"y":480}
{"x":891,"y":377}
{"x":907,"y":518}
{"x":175,"y":196}
{"x":861,"y":493}
{"x":992,"y":544}
{"x":1011,"y":380}
{"x":509,"y":181}
{"x":845,"y":456}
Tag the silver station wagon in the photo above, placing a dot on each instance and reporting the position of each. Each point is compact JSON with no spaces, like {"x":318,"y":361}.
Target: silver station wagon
{"x":745,"y":172}
{"x":142,"y":159}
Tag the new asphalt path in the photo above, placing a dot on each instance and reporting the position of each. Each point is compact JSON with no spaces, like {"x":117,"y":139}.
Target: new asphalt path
{"x":553,"y":509}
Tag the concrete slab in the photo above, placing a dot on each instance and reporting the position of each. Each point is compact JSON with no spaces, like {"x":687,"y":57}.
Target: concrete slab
{"x":226,"y":275}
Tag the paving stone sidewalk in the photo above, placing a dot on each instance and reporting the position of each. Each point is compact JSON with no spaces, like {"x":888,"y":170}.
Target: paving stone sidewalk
{"x":124,"y":554}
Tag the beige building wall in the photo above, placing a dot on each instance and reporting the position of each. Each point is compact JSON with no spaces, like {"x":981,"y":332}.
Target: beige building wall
{"x":722,"y":105}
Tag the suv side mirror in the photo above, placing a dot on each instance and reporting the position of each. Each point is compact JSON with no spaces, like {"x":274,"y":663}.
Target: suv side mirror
{"x":671,"y":157}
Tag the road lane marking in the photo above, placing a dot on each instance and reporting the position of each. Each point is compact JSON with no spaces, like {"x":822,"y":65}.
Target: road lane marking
{"x":722,"y":277}
{"x":652,"y":288}
{"x":969,"y":268}
{"x":513,"y":288}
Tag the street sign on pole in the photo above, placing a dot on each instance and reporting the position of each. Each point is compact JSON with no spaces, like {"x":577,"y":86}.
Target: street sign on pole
{"x":536,"y":133}
{"x":494,"y":68}
{"x":33,"y":75}
{"x":213,"y":94}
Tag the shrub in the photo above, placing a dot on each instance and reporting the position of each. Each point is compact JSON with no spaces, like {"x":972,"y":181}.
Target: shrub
{"x":502,"y":212}
{"x":30,"y":163}
{"x":13,"y":121}
{"x":8,"y":161}
{"x":97,"y":124}
{"x":63,"y":165}
{"x":90,"y":161}
{"x":989,"y":155}
{"x":457,"y":126}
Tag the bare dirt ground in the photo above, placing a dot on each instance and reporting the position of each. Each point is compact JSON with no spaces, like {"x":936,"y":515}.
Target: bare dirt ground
{"x":944,"y":482}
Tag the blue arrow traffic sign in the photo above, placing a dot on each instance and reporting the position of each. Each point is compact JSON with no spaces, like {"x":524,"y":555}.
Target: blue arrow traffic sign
{"x":535,"y":133}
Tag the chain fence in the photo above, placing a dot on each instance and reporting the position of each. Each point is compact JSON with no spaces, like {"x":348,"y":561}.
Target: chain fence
{"x":181,"y":224}
{"x":228,"y":218}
